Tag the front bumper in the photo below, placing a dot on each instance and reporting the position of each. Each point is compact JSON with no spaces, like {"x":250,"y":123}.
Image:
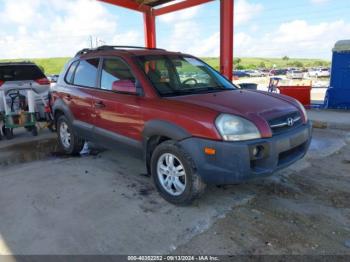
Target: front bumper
{"x":235,"y":162}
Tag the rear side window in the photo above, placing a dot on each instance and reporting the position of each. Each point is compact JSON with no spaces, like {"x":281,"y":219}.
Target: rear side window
{"x":70,"y":73}
{"x":114,"y":69}
{"x":20,"y":73}
{"x":86,"y":73}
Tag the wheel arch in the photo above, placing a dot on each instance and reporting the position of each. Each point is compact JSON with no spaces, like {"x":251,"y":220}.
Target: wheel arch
{"x":158,"y":131}
{"x":61,"y":108}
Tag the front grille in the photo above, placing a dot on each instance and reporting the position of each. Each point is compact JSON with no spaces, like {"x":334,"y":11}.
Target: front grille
{"x":285,"y":123}
{"x":291,"y":154}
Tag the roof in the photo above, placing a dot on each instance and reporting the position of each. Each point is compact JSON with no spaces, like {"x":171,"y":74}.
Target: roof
{"x":134,"y":50}
{"x":17,"y":63}
{"x":153,"y":3}
{"x":342,"y":46}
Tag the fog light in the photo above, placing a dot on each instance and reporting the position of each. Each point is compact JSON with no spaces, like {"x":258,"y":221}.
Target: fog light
{"x":257,"y":151}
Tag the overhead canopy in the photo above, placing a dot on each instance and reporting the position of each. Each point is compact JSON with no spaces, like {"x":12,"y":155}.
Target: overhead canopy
{"x":153,"y":8}
{"x":153,"y":3}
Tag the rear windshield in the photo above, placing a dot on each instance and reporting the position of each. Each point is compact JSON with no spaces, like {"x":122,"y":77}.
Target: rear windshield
{"x":20,"y":72}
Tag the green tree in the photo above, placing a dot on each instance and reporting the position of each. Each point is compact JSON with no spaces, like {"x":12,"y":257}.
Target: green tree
{"x":285,"y":58}
{"x":295,"y":64}
{"x":262,"y":65}
{"x":237,"y":61}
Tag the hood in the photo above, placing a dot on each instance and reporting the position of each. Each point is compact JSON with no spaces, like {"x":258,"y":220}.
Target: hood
{"x":248,"y":104}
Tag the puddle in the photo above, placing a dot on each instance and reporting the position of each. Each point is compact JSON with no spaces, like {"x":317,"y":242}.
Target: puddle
{"x":34,"y":151}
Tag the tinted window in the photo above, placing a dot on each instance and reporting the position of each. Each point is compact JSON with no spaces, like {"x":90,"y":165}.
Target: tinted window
{"x":69,"y":76}
{"x":113,"y":70}
{"x":20,"y":72}
{"x":86,"y":73}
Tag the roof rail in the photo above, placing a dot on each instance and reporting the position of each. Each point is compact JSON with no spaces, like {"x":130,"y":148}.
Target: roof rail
{"x":114,"y":47}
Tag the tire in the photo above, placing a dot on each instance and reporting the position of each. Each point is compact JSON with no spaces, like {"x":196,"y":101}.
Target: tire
{"x":169,"y":154}
{"x":34,"y":131}
{"x":8,"y":132}
{"x":69,"y":142}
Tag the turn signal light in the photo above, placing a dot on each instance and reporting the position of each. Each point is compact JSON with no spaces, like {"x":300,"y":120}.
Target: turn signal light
{"x":209,"y":151}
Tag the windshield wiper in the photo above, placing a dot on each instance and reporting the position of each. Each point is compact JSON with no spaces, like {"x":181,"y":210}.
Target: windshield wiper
{"x":198,"y":91}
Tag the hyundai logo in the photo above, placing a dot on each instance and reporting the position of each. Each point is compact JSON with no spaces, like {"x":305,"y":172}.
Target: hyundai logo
{"x":290,"y":121}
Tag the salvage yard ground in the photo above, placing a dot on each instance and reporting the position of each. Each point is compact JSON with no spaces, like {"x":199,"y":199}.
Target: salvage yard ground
{"x":105,"y":204}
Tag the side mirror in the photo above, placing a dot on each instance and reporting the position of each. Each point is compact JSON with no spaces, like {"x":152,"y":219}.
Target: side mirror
{"x":124,"y":86}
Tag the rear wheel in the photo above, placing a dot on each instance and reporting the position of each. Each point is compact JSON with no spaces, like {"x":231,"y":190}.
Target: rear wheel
{"x":174,"y":174}
{"x":68,"y":141}
{"x":8,"y":132}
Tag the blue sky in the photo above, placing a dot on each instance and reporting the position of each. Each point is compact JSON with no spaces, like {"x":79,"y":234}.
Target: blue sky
{"x":263,"y":28}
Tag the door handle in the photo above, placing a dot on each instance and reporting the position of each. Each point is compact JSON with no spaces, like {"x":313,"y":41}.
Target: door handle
{"x":68,"y":97}
{"x":100,"y":104}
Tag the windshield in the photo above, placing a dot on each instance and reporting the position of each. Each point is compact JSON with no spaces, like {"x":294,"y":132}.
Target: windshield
{"x":174,"y":75}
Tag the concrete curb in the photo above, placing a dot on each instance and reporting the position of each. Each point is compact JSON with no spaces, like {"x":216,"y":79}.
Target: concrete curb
{"x":330,"y":125}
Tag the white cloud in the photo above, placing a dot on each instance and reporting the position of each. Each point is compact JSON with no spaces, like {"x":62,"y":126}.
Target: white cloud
{"x":187,"y":33}
{"x":180,"y":15}
{"x":296,"y":39}
{"x":133,"y":38}
{"x":20,"y":11}
{"x":245,"y":11}
{"x":48,"y":28}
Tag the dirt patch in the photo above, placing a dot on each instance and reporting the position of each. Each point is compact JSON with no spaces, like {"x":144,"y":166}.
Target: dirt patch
{"x":306,"y":212}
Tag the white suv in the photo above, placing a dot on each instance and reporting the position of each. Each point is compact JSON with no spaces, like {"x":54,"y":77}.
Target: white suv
{"x":295,"y":74}
{"x":319,"y":72}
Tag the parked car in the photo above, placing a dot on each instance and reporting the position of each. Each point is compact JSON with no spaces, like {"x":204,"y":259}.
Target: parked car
{"x":22,"y":74}
{"x":295,"y":74}
{"x":52,"y":78}
{"x":189,"y":133}
{"x":264,"y":72}
{"x":276,"y":72}
{"x":319,"y":72}
{"x":240,"y":73}
{"x":254,"y":73}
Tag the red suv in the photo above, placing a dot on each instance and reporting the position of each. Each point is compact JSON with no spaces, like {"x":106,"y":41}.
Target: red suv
{"x":191,"y":125}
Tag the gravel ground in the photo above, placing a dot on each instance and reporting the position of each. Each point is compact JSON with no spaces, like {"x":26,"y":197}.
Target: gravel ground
{"x":104,"y":204}
{"x":297,"y":212}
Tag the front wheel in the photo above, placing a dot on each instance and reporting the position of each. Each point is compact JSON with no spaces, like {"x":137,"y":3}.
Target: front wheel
{"x":68,"y":141}
{"x":174,"y":174}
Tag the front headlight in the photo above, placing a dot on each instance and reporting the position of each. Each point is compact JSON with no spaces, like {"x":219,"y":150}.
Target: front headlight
{"x":303,"y":110}
{"x":235,"y":128}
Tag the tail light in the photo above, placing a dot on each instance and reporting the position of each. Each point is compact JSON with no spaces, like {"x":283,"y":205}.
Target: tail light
{"x":43,"y":81}
{"x":1,"y":82}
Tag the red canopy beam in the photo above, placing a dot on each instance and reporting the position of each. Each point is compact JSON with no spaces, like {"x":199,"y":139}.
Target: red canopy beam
{"x":149,"y":22}
{"x":178,"y":6}
{"x":128,"y":4}
{"x":226,"y":38}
